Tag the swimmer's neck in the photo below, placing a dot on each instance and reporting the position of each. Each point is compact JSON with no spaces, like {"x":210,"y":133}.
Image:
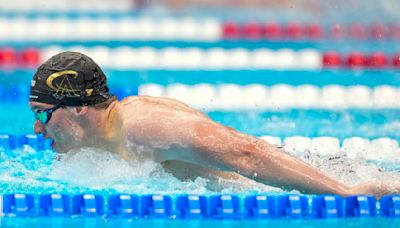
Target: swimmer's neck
{"x":104,"y":128}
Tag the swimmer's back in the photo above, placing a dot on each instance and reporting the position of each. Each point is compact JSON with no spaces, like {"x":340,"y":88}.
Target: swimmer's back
{"x":137,"y":105}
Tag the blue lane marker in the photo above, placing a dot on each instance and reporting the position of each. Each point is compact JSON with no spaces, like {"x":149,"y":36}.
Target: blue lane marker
{"x":5,"y":142}
{"x":260,"y":206}
{"x":292,"y":206}
{"x":191,"y":207}
{"x":88,"y":205}
{"x":33,"y":141}
{"x":327,"y":206}
{"x":36,"y":141}
{"x":198,"y":206}
{"x":20,"y":205}
{"x":54,"y":205}
{"x":125,"y":205}
{"x":17,"y":141}
{"x":156,"y":206}
{"x":390,"y":206}
{"x":360,"y":206}
{"x":223,"y":206}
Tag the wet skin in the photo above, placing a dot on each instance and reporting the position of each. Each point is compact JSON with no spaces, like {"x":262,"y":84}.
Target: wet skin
{"x":187,"y":143}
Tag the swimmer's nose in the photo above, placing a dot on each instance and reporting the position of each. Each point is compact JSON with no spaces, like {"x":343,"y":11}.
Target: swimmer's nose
{"x":38,"y":127}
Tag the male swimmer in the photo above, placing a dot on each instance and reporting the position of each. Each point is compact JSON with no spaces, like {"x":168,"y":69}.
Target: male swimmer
{"x":72,"y":105}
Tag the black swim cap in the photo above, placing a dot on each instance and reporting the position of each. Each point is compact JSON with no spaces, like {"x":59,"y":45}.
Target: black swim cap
{"x":71,"y":79}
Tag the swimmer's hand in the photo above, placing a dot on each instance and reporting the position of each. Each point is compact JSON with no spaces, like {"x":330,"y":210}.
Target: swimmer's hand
{"x":375,"y":188}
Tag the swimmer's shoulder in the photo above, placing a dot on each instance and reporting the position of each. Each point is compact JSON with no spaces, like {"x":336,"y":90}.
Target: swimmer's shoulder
{"x":139,"y":105}
{"x":150,"y":100}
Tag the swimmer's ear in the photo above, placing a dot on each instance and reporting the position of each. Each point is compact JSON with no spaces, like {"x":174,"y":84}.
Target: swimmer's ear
{"x":80,"y":111}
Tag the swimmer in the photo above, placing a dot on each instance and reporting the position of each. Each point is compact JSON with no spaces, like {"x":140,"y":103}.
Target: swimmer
{"x":72,"y":106}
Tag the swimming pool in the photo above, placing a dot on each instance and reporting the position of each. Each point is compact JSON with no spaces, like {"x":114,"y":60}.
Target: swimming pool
{"x":34,"y":171}
{"x":343,"y":119}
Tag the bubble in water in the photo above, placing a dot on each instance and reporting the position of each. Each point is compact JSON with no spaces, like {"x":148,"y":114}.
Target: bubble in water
{"x":90,"y":170}
{"x":350,"y":171}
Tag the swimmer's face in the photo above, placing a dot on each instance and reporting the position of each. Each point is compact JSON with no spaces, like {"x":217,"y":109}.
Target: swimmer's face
{"x":62,"y":127}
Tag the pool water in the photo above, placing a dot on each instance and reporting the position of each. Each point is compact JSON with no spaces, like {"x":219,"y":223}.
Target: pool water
{"x":26,"y":170}
{"x":357,"y":135}
{"x":88,"y":170}
{"x":95,"y":222}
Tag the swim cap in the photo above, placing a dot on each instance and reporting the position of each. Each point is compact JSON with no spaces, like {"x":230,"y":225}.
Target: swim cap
{"x":71,"y":79}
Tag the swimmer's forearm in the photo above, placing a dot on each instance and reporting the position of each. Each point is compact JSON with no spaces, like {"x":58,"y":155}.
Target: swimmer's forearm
{"x":229,"y":150}
{"x":281,"y":170}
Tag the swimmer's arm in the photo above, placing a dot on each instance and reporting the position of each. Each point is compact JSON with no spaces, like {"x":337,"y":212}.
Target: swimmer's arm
{"x":181,"y":136}
{"x":219,"y":147}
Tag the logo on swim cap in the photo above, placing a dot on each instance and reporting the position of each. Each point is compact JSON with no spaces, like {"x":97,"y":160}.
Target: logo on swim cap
{"x":61,"y":84}
{"x":33,"y":83}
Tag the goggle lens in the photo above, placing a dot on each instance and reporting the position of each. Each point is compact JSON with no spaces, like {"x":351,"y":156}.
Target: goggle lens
{"x":42,"y":117}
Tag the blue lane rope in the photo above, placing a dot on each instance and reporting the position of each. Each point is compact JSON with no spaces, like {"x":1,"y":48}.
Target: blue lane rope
{"x":199,"y":206}
{"x":12,"y":142}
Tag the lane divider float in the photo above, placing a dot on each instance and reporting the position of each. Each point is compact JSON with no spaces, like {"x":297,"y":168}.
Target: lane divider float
{"x":225,"y":206}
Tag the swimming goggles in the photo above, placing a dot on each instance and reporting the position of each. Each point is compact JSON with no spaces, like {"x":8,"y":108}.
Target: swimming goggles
{"x":44,"y":115}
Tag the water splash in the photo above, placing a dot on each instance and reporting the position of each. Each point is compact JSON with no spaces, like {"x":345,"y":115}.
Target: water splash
{"x":352,"y":171}
{"x":96,"y":171}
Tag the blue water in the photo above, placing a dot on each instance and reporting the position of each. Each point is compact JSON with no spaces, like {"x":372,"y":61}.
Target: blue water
{"x":93,"y":222}
{"x":118,"y":78}
{"x":87,"y":171}
{"x":283,"y":123}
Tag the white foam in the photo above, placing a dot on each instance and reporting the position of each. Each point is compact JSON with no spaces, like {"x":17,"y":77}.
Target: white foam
{"x":104,"y":171}
{"x":378,"y":150}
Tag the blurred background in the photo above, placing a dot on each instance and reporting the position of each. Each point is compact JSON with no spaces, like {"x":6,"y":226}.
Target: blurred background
{"x":283,"y":68}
